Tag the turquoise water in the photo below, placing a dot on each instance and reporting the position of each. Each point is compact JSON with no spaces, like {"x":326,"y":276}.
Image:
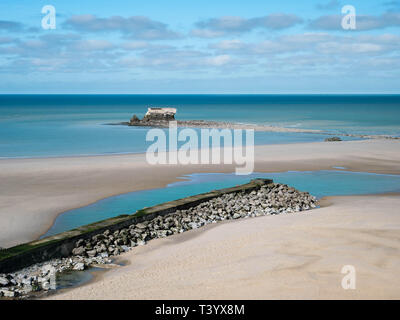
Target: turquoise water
{"x":64,"y":125}
{"x":318,"y":183}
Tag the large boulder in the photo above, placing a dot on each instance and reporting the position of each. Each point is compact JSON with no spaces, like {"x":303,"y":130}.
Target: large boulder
{"x":4,"y":282}
{"x":333,"y":139}
{"x":79,"y":266}
{"x":80,"y":251}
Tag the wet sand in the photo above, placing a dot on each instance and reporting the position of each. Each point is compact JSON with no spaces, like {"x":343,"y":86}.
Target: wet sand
{"x":33,"y":192}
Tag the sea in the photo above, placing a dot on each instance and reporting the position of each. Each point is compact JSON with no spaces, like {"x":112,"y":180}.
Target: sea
{"x":77,"y":125}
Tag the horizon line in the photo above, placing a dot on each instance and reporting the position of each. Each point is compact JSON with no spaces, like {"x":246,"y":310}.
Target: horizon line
{"x":335,"y":93}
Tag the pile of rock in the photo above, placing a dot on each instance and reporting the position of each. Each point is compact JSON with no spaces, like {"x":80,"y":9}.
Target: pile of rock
{"x":42,"y":276}
{"x":333,"y":139}
{"x":268,"y":200}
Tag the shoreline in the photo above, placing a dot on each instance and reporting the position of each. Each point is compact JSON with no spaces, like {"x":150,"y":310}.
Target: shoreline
{"x":308,"y":250}
{"x":39,"y":190}
{"x":219,"y":125}
{"x":143,"y":152}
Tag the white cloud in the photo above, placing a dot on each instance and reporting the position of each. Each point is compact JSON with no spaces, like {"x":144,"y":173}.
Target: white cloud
{"x":313,"y":43}
{"x":363,"y":22}
{"x":137,"y":27}
{"x":348,"y":48}
{"x":217,"y":27}
{"x":11,"y":26}
{"x":6,"y":40}
{"x":218,"y":60}
{"x":205,"y":33}
{"x":92,"y":45}
{"x":228,"y":45}
{"x":135,"y":45}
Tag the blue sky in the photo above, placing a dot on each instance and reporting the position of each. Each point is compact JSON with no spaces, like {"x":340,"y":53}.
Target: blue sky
{"x":178,"y":46}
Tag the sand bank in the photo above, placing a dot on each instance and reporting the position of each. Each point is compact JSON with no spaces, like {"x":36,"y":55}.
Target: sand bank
{"x":294,"y":256}
{"x":208,"y":124}
{"x":34,"y":191}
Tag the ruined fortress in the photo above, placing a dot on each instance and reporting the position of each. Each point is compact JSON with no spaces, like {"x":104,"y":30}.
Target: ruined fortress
{"x":154,"y":117}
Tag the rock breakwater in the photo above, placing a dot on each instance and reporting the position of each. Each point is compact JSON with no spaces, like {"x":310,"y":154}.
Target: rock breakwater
{"x":270,"y":199}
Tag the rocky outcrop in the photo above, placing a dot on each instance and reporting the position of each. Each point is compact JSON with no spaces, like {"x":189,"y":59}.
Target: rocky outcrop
{"x":134,"y":120}
{"x":154,"y":117}
{"x":269,"y":199}
{"x":333,"y":139}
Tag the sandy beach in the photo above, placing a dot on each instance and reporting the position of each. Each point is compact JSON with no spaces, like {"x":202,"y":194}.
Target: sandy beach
{"x":294,"y":256}
{"x":199,"y":151}
{"x":33,"y":192}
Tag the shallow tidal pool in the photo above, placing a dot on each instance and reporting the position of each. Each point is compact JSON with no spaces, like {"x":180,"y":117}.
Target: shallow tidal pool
{"x":318,"y":183}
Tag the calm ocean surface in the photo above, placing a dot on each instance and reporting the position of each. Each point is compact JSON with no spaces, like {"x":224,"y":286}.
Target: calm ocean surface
{"x":63,"y":125}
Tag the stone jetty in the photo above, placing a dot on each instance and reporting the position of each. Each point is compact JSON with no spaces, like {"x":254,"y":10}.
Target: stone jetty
{"x":269,"y":199}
